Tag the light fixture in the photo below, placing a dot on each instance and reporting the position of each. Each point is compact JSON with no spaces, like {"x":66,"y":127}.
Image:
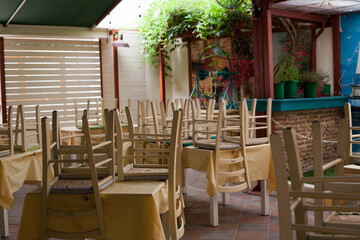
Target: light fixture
{"x":118,"y":40}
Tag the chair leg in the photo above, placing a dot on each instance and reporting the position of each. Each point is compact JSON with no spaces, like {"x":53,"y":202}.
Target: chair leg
{"x":214,"y":211}
{"x":225,"y":197}
{"x":265,"y":197}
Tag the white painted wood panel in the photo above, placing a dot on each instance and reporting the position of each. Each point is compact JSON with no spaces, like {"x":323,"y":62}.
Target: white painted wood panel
{"x":132,"y":72}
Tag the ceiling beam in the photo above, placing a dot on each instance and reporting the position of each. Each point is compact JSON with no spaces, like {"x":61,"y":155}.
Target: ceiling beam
{"x":105,"y":14}
{"x":14,"y":13}
{"x":305,"y":17}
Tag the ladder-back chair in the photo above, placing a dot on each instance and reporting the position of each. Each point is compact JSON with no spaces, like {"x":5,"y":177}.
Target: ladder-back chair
{"x":295,"y":200}
{"x":142,"y":162}
{"x":27,"y":134}
{"x":230,"y":156}
{"x":6,"y":134}
{"x":83,"y":179}
{"x":252,"y":123}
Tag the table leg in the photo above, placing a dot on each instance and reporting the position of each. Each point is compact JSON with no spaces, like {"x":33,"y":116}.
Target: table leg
{"x":265,"y":197}
{"x":4,"y":224}
{"x":214,"y":211}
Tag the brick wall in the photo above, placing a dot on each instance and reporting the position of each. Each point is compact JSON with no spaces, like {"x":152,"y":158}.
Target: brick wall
{"x":302,"y":120}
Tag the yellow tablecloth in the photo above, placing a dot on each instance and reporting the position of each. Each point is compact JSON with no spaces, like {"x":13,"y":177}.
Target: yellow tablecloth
{"x":131,"y":211}
{"x":259,"y":159}
{"x":15,"y":170}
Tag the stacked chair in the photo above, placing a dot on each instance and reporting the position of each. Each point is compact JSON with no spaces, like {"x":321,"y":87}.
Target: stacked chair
{"x":6,"y":135}
{"x":91,"y":171}
{"x":94,"y":116}
{"x":138,"y":162}
{"x":228,"y":151}
{"x":253,"y":123}
{"x":27,"y":134}
{"x":296,"y":200}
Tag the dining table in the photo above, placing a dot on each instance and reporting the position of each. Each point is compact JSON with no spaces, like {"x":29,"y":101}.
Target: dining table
{"x":15,"y":170}
{"x":259,"y":166}
{"x":131,"y":211}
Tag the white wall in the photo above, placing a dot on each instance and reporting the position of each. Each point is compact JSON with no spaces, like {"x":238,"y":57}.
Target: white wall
{"x":107,"y":73}
{"x":132,"y":77}
{"x":177,"y":86}
{"x":180,"y":74}
{"x":324,"y":55}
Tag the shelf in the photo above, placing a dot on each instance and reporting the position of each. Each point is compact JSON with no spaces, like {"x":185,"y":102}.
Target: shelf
{"x":281,"y":105}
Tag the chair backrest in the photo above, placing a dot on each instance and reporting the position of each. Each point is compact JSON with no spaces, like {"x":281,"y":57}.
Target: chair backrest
{"x":27,"y":134}
{"x":254,"y":123}
{"x":95,"y":117}
{"x":353,"y":135}
{"x":6,"y":133}
{"x":299,"y":195}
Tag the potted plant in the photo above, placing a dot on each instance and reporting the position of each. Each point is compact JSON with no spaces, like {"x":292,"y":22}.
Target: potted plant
{"x":310,"y":82}
{"x":326,"y":86}
{"x":287,"y":72}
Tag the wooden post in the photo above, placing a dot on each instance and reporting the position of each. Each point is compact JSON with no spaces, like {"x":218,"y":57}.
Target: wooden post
{"x":116,"y":75}
{"x":335,"y":21}
{"x":263,"y":55}
{"x":2,"y":80}
{"x":162,"y":74}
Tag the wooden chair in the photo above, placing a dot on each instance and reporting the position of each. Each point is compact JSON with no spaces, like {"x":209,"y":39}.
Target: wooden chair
{"x":145,"y":120}
{"x":353,"y":135}
{"x":205,"y":129}
{"x":6,"y":134}
{"x":230,"y":160}
{"x":254,"y":123}
{"x":340,"y":190}
{"x":94,"y":117}
{"x":83,"y":179}
{"x":122,"y":106}
{"x":143,"y":162}
{"x":25,"y":130}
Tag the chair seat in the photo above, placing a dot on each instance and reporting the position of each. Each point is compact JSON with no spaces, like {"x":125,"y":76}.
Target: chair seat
{"x":146,"y":173}
{"x":76,"y":186}
{"x":257,"y":141}
{"x":210,"y":144}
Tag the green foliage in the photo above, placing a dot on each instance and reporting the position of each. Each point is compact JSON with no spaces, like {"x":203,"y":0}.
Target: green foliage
{"x":166,"y":19}
{"x":286,"y":70}
{"x":319,"y":77}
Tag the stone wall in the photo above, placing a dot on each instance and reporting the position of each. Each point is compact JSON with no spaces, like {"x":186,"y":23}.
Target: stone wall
{"x":302,"y":120}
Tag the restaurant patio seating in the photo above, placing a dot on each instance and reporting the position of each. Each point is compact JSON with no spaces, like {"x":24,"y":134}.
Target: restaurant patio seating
{"x":6,"y":134}
{"x":83,"y":179}
{"x":295,"y":200}
{"x":23,"y":128}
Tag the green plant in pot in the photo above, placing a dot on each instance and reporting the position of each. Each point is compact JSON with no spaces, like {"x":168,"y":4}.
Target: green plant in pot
{"x":326,"y":86}
{"x":310,"y":82}
{"x":287,"y":72}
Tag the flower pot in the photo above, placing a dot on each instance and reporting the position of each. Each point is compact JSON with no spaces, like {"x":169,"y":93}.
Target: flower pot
{"x":326,"y":90}
{"x":310,"y":90}
{"x":279,"y":90}
{"x":291,"y":88}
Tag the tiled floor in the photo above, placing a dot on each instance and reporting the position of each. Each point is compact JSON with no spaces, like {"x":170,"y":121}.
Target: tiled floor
{"x":241,"y":219}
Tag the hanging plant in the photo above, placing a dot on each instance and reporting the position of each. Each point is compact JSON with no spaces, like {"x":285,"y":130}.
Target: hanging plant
{"x":167,"y":19}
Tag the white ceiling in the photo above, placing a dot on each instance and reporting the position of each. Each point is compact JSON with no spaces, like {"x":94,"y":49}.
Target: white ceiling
{"x":324,"y":7}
